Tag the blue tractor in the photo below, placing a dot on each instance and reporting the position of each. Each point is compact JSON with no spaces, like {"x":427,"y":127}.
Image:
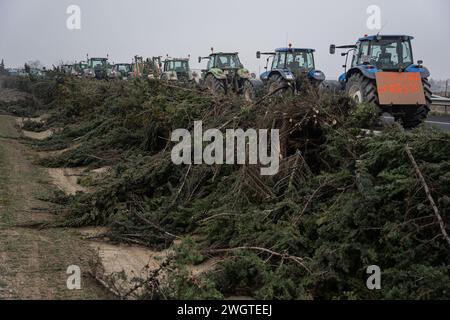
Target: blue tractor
{"x":382,"y":71}
{"x":290,"y":67}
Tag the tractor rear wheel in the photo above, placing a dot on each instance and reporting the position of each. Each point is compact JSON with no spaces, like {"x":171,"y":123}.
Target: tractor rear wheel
{"x":411,"y":120}
{"x":278,"y":83}
{"x":215,"y":86}
{"x":361,"y":89}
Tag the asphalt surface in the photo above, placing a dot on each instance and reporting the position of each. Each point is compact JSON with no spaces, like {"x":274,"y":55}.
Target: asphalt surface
{"x":442,"y":122}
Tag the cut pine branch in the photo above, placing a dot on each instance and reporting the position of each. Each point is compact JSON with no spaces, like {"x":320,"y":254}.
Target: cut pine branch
{"x":428,"y":193}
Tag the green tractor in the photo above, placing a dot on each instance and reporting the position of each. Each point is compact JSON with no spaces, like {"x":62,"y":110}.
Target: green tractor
{"x":78,"y":68}
{"x":149,"y":68}
{"x":120,"y":71}
{"x":225,"y":73}
{"x":176,"y":69}
{"x":96,"y":68}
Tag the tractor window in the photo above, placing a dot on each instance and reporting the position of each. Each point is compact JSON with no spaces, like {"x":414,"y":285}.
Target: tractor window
{"x":363,"y":53}
{"x":300,"y":60}
{"x":96,"y":63}
{"x":279,"y":61}
{"x":227,"y":61}
{"x":211,"y":62}
{"x":390,"y":54}
{"x":407,"y":53}
{"x":181,"y":66}
{"x":123,"y":67}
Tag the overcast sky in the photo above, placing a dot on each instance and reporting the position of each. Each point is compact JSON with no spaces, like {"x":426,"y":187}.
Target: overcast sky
{"x":31,"y":30}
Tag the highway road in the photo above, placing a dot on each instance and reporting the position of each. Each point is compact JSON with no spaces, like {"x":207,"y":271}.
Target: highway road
{"x":442,"y":122}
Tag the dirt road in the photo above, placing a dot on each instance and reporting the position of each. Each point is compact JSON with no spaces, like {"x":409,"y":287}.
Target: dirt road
{"x":33,"y":263}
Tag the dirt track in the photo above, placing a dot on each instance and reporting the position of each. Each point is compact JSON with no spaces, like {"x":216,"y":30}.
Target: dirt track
{"x":33,"y":263}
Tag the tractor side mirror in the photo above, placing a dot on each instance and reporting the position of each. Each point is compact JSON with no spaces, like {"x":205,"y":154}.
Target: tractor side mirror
{"x":332,"y":49}
{"x":199,"y":59}
{"x":258,"y":54}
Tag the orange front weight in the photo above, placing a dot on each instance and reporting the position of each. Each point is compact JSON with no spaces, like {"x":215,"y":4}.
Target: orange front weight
{"x":400,"y":88}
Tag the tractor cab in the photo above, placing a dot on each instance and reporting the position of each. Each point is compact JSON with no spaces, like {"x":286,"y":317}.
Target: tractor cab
{"x":96,"y":68}
{"x":225,"y":73}
{"x":387,"y":53}
{"x":120,"y":71}
{"x":78,"y":68}
{"x":288,"y":67}
{"x":66,"y":68}
{"x":176,"y":69}
{"x":97,"y":63}
{"x":224,"y":61}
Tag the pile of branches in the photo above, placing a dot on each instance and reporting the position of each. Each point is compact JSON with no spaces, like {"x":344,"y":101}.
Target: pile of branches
{"x":344,"y":198}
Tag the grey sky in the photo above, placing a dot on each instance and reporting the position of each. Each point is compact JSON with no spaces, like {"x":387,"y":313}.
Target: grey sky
{"x":36,"y":29}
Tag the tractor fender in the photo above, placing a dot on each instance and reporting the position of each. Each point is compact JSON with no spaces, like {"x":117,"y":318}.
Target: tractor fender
{"x":217,"y":73}
{"x":316,"y":75}
{"x":368,"y":73}
{"x":424,"y":72}
{"x":264,"y":76}
{"x":244,"y":73}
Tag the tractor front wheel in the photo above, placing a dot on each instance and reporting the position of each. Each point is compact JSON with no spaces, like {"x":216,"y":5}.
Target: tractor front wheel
{"x":215,"y":86}
{"x":249,"y":91}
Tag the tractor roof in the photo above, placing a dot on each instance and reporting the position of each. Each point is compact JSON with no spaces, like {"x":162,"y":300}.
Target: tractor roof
{"x":374,"y":37}
{"x":177,"y":59}
{"x":223,"y":53}
{"x":294,"y":50}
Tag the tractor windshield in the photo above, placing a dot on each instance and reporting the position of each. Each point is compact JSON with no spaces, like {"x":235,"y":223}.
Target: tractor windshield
{"x":297,"y":60}
{"x":227,"y":61}
{"x":386,"y":54}
{"x":178,"y":66}
{"x":97,"y":63}
{"x":123,"y":67}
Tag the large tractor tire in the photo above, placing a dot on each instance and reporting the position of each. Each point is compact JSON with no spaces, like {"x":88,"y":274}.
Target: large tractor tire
{"x":361,"y":89}
{"x":413,"y":119}
{"x":249,"y":91}
{"x":215,"y":86}
{"x":277,"y":84}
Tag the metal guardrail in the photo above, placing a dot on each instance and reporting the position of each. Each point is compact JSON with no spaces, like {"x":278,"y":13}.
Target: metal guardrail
{"x":440,"y":100}
{"x":440,"y":104}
